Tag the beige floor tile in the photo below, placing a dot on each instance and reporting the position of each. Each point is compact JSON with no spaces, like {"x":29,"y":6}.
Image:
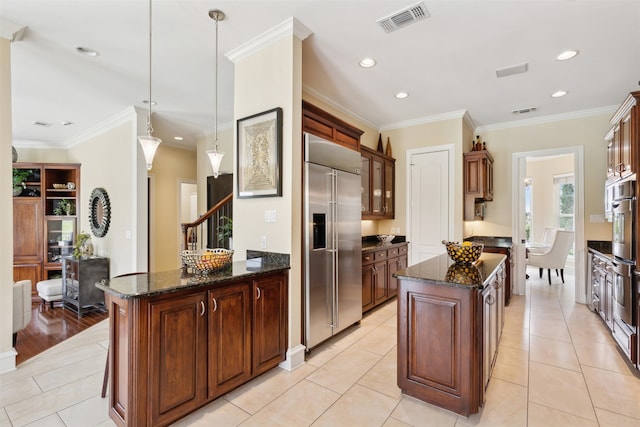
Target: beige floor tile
{"x":552,"y":352}
{"x":343,"y":371}
{"x":549,"y":329}
{"x":257,"y":393}
{"x":18,"y":391}
{"x":512,"y":365}
{"x":380,"y":340}
{"x":515,"y":338}
{"x":543,"y":416}
{"x":219,"y":413}
{"x":287,"y":411}
{"x":418,"y":413}
{"x":610,"y":419}
{"x":68,"y":373}
{"x":50,"y":421}
{"x":4,"y":418}
{"x":590,"y":331}
{"x":560,"y":389}
{"x":600,"y":355}
{"x":359,"y":406}
{"x":54,"y":400}
{"x":383,"y":376}
{"x":93,"y":411}
{"x":614,"y":391}
{"x":394,"y":422}
{"x":505,"y":405}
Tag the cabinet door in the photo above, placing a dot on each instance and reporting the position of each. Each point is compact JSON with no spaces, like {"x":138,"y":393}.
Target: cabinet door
{"x":27,"y":230}
{"x":270,"y":322}
{"x":394,"y":265}
{"x":488,"y":179}
{"x":626,"y":165}
{"x":380,"y":283}
{"x":611,"y":162}
{"x":472,"y":176}
{"x":377,"y":177}
{"x":178,"y":362}
{"x":229,"y":338}
{"x":365,"y":191}
{"x":389,"y":189}
{"x":489,"y":332}
{"x":367,"y":287}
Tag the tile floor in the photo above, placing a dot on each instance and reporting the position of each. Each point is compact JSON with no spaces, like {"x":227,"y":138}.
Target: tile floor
{"x":557,"y":366}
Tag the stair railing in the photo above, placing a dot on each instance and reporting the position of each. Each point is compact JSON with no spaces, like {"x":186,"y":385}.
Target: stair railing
{"x":193,"y":232}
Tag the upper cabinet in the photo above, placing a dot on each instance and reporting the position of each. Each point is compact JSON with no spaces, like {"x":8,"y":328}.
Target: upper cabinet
{"x":478,"y":183}
{"x":378,"y":185}
{"x":622,"y":139}
{"x":329,"y":127}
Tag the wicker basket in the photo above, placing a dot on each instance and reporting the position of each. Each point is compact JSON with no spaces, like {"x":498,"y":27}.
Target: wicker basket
{"x":208,"y":260}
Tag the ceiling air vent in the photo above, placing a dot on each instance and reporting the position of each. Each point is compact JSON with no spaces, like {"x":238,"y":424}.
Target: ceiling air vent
{"x":42,"y":124}
{"x":525,"y":110}
{"x":403,"y":17}
{"x":514,"y":69}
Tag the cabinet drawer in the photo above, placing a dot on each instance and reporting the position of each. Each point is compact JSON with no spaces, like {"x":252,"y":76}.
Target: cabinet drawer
{"x":393,"y":252}
{"x":378,"y":255}
{"x":367,"y":258}
{"x":403,"y":250}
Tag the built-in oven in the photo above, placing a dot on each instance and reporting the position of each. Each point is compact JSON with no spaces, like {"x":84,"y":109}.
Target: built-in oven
{"x":622,"y":294}
{"x":623,"y":220}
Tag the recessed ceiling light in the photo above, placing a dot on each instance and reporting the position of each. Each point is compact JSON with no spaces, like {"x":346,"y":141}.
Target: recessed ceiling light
{"x":178,"y":138}
{"x":401,"y":95}
{"x":367,"y":63}
{"x":567,"y":54}
{"x":87,"y":51}
{"x":558,"y":93}
{"x":146,"y":101}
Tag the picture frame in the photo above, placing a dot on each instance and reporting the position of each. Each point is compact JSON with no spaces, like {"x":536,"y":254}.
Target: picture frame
{"x":259,"y":168}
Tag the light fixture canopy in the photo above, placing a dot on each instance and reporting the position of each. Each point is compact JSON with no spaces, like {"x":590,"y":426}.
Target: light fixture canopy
{"x":559,"y":93}
{"x":148,"y":142}
{"x":567,"y":54}
{"x":368,"y":63}
{"x":215,"y":156}
{"x":401,"y":95}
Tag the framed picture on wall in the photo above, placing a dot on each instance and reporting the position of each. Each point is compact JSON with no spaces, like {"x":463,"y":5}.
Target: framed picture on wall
{"x":260,"y":155}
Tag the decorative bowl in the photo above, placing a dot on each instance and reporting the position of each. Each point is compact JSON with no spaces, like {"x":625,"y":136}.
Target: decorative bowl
{"x":206,"y":261}
{"x":386,"y":238}
{"x":60,"y":186}
{"x":463,"y":253}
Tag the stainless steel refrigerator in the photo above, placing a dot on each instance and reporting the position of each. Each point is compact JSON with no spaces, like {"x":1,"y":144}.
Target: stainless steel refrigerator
{"x":333,"y":244}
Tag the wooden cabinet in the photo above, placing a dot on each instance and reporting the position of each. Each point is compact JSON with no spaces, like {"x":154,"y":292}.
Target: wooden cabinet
{"x":478,"y":183}
{"x":623,"y":139}
{"x":45,"y":213}
{"x":378,"y":266}
{"x":448,"y":339}
{"x":79,"y":276}
{"x":174,"y":352}
{"x":229,"y":337}
{"x":329,"y":127}
{"x":177,"y":364}
{"x":378,"y":185}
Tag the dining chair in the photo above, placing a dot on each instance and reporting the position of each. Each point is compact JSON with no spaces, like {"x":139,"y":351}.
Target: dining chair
{"x":556,"y":256}
{"x":547,"y":239}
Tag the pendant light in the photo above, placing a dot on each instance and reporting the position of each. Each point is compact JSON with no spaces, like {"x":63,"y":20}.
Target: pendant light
{"x":215,"y":156}
{"x":149,"y":143}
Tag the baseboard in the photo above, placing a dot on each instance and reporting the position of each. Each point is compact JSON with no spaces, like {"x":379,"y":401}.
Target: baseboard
{"x":8,"y":361}
{"x":295,"y":358}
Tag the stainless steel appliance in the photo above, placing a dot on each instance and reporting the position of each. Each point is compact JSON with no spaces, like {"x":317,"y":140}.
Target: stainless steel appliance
{"x":333,"y":243}
{"x":622,"y":291}
{"x":623,"y":222}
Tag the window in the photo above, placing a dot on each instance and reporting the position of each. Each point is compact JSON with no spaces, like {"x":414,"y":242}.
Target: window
{"x":564,"y":200}
{"x":528,"y":218}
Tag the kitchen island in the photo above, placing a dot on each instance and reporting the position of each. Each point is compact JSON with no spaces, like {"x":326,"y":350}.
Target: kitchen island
{"x":178,"y":340}
{"x":450,"y":319}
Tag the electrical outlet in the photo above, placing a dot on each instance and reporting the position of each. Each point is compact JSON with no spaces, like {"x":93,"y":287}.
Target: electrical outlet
{"x":270,"y":216}
{"x":263,"y":242}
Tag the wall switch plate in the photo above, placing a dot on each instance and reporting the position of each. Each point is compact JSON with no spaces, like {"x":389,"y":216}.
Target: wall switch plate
{"x":596,"y":218}
{"x":263,"y":242}
{"x":270,"y":216}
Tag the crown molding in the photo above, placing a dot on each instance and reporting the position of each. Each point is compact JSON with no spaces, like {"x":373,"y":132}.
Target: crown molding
{"x":338,"y":107}
{"x":428,"y":119}
{"x":290,"y":27}
{"x":549,"y":119}
{"x":126,"y":115}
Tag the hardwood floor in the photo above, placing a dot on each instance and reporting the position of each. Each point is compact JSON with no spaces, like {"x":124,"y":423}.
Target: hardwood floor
{"x":50,"y":326}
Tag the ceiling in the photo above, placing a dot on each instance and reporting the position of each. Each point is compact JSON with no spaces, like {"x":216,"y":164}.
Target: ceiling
{"x":447,"y":62}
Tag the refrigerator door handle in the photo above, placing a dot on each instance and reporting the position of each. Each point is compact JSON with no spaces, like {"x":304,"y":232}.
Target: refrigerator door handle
{"x":334,"y":230}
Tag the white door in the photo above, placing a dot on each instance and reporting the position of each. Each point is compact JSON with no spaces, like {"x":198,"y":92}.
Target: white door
{"x":429,"y":202}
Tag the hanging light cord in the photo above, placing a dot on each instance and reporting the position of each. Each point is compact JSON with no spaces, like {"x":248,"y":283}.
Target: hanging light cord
{"x":215,"y":120}
{"x":149,"y":127}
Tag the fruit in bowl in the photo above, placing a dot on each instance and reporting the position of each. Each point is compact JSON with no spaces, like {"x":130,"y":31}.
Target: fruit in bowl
{"x":386,"y":238}
{"x":466,"y":274}
{"x":463,"y":253}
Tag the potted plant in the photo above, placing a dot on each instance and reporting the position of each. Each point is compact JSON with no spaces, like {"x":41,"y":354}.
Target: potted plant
{"x":19,"y":177}
{"x":84,"y":246}
{"x":225,"y":229}
{"x":64,"y":207}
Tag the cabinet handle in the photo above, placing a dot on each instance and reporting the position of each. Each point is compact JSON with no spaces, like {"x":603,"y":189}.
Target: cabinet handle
{"x":215,"y":304}
{"x":201,"y":308}
{"x":258,"y":289}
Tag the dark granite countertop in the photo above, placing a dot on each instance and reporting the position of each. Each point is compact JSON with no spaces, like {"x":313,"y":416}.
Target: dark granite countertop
{"x":603,"y":247}
{"x":441,"y":270}
{"x":371,"y":243}
{"x":150,"y":284}
{"x":491,"y":242}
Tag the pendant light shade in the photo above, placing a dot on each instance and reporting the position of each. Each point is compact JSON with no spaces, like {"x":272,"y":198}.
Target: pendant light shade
{"x":215,"y":156}
{"x":148,"y":142}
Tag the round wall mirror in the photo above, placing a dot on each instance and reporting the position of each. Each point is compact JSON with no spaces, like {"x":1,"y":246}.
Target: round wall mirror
{"x":99,"y":212}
